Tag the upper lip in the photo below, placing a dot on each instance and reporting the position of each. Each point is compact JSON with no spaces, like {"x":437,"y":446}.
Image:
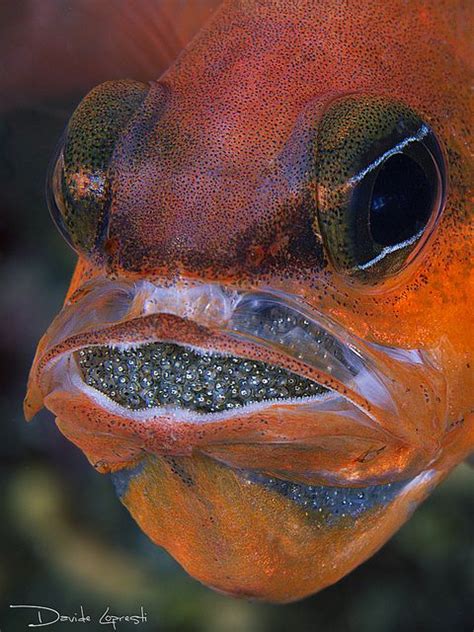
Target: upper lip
{"x":207,"y":316}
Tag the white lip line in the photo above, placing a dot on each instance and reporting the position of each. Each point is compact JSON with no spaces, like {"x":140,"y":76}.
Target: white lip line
{"x":147,"y":299}
{"x":379,"y":392}
{"x":372,"y":393}
{"x":176,"y":413}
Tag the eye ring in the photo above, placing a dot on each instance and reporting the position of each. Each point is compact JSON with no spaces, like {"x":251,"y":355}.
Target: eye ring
{"x":54,"y":197}
{"x":381,"y":185}
{"x":79,"y":180}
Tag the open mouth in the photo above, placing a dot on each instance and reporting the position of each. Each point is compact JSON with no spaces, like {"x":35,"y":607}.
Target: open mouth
{"x":201,"y":349}
{"x":167,"y":374}
{"x":184,"y":364}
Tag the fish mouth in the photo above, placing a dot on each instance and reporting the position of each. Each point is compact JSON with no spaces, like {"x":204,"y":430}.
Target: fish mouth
{"x":169,"y":375}
{"x":211,"y":350}
{"x":249,"y":378}
{"x":198,"y":353}
{"x":178,"y":376}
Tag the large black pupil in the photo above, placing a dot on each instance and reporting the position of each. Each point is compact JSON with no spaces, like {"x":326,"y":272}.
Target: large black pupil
{"x":402,"y":201}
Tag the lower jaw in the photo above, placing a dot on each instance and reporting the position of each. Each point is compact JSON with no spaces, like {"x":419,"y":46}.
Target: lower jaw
{"x":330,"y":437}
{"x":323,"y":439}
{"x":243,"y":537}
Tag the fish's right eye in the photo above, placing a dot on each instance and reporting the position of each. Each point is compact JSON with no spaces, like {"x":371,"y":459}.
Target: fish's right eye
{"x":381,"y":185}
{"x":78,"y":183}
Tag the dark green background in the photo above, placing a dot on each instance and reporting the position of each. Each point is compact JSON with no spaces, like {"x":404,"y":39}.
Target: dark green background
{"x":64,"y":538}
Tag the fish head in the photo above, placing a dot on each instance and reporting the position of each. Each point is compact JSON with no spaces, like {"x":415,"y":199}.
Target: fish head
{"x":264,"y":341}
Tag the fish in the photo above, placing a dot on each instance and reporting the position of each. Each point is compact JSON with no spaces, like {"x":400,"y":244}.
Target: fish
{"x":265,"y":342}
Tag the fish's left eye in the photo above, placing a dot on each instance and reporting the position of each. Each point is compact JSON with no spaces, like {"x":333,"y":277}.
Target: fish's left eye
{"x":381,"y":184}
{"x":79,"y":183}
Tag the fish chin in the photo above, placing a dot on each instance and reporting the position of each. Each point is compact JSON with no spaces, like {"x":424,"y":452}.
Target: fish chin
{"x":256,"y":536}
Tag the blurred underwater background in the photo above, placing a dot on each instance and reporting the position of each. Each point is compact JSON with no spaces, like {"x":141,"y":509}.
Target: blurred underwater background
{"x":65,"y":539}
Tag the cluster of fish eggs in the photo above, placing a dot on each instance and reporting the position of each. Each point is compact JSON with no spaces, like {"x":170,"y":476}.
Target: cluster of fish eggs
{"x":166,"y":374}
{"x":299,"y":335}
{"x":332,"y":503}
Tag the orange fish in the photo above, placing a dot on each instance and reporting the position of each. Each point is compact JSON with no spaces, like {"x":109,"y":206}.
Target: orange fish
{"x":266,"y":338}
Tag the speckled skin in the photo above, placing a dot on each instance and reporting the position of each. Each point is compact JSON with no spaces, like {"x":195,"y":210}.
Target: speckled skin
{"x":209,"y":180}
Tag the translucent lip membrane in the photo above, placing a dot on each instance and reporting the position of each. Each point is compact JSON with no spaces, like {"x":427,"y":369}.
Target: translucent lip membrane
{"x":266,"y":319}
{"x":275,"y":321}
{"x":166,"y":374}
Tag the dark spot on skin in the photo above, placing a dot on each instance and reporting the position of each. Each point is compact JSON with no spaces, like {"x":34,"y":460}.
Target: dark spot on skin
{"x":370,"y":454}
{"x":458,"y":422}
{"x":179,"y":471}
{"x":111,"y":247}
{"x":121,"y":479}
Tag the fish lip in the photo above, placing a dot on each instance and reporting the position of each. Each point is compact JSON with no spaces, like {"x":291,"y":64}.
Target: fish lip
{"x":143,"y":302}
{"x":202,"y":314}
{"x":120,"y":313}
{"x":174,"y":432}
{"x":170,"y":328}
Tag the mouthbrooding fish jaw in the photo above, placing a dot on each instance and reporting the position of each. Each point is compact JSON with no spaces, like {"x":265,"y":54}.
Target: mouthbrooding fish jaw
{"x":206,"y":357}
{"x":243,"y":398}
{"x":251,"y":398}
